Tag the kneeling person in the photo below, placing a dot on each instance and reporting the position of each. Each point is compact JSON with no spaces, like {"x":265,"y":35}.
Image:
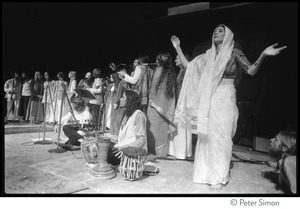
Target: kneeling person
{"x":72,"y":131}
{"x":132,"y":130}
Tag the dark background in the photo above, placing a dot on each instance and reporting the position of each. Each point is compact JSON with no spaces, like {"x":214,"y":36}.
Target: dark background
{"x":81,"y":36}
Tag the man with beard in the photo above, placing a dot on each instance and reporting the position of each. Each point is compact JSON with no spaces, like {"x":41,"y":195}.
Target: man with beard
{"x":97,"y":104}
{"x":85,"y":83}
{"x":283,"y":150}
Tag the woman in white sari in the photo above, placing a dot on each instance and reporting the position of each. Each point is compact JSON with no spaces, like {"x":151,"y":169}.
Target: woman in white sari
{"x":207,"y":103}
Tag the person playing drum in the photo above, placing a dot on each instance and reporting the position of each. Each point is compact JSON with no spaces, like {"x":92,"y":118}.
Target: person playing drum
{"x":132,"y":130}
{"x":71,"y":128}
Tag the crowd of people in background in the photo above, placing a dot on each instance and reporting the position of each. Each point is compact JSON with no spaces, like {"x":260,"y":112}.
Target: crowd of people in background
{"x":200,"y":100}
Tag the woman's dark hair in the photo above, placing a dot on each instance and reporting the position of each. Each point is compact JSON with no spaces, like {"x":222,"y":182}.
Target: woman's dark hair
{"x":165,"y":60}
{"x":116,"y":80}
{"x":133,"y":102}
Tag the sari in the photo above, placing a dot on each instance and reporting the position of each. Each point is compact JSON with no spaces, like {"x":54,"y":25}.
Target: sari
{"x":208,"y":109}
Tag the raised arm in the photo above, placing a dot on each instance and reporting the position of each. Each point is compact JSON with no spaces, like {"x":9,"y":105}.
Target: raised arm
{"x":176,"y":43}
{"x":269,"y":51}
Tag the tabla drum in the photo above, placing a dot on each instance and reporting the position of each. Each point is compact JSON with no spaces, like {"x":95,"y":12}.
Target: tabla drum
{"x":90,"y":150}
{"x":132,"y":163}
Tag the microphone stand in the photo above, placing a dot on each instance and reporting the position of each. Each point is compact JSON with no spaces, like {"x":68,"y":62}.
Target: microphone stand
{"x":44,"y":141}
{"x":60,"y":115}
{"x":51,"y":102}
{"x":71,"y":109}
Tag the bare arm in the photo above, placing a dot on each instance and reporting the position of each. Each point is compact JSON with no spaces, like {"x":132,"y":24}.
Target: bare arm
{"x":176,"y":43}
{"x":269,"y":51}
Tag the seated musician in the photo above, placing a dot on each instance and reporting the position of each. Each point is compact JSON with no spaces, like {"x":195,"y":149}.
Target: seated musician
{"x":284,"y":150}
{"x":132,"y":130}
{"x":73,"y":129}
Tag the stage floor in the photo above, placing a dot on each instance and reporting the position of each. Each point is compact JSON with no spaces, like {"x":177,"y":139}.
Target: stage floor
{"x":38,"y":169}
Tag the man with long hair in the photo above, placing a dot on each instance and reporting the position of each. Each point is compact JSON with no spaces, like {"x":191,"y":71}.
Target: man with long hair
{"x":70,"y":127}
{"x":283,"y":149}
{"x":97,"y":104}
{"x":140,"y":80}
{"x":133,"y":127}
{"x":25,"y":95}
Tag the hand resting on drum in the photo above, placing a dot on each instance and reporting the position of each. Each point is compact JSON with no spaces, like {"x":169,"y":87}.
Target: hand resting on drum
{"x":118,"y":153}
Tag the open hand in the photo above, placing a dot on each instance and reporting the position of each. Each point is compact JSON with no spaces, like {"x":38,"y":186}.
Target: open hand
{"x":271,"y":51}
{"x":175,"y":41}
{"x":118,"y":153}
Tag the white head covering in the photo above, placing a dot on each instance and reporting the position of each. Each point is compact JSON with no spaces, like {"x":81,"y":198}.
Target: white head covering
{"x":203,"y":75}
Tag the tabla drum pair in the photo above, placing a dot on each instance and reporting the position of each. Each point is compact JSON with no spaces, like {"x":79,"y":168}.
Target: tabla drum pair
{"x":132,"y":163}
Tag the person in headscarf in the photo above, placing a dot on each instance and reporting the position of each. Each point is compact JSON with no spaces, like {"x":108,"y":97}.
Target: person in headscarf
{"x":160,"y":113}
{"x":207,"y":103}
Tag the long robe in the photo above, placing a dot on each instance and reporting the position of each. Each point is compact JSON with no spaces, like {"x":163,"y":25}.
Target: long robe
{"x":160,"y":127}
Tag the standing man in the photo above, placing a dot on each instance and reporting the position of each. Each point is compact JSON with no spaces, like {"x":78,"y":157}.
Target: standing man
{"x":26,"y":93}
{"x":85,"y":83}
{"x":13,"y":89}
{"x":141,"y":80}
{"x":97,"y":104}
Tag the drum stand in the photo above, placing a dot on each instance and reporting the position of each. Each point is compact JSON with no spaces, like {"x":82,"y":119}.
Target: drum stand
{"x":103,"y":170}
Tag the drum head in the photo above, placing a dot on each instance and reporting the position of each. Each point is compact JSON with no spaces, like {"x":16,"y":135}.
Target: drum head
{"x":134,"y":151}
